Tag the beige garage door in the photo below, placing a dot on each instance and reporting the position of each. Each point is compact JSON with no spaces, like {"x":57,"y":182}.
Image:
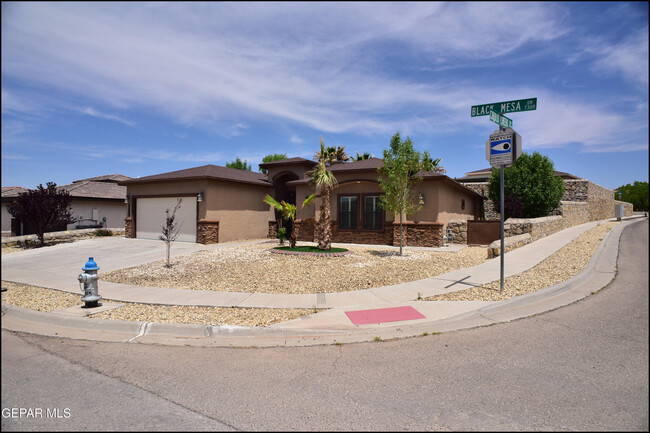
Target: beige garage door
{"x":150,"y":217}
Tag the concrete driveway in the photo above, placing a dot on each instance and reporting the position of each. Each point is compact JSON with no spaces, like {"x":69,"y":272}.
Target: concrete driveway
{"x":62,"y":263}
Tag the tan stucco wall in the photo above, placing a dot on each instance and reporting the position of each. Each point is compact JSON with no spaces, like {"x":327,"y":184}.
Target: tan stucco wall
{"x":115,"y":212}
{"x":442,"y":203}
{"x":240,"y":210}
{"x":169,"y":189}
{"x":6,"y":220}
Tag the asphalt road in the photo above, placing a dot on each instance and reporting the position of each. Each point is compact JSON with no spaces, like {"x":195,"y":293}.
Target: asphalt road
{"x":580,"y":367}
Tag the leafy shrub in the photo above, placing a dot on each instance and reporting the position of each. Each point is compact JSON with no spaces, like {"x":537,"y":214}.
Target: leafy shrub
{"x":281,"y":234}
{"x":103,"y":232}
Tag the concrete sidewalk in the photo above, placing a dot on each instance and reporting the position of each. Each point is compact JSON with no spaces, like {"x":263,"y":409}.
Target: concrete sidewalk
{"x":331,"y":326}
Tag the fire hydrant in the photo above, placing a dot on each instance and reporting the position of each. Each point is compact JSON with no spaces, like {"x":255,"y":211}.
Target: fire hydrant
{"x":89,"y":280}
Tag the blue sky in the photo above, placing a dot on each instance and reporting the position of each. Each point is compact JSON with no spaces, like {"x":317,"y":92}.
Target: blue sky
{"x":143,"y":88}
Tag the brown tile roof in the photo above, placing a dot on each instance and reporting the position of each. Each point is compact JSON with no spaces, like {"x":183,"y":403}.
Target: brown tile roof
{"x":206,"y":171}
{"x":106,"y":178}
{"x":95,"y":190}
{"x":288,"y":161}
{"x":364,"y":164}
{"x":12,"y":191}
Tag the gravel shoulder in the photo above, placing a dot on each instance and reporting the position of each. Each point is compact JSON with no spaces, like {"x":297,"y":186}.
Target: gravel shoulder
{"x":253,"y":268}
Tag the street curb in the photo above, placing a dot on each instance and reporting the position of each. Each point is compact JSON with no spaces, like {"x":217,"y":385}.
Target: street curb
{"x":598,"y":273}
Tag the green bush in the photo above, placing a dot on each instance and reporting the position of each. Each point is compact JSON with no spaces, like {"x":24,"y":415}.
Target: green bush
{"x":103,"y":232}
{"x":281,"y":234}
{"x":531,"y":188}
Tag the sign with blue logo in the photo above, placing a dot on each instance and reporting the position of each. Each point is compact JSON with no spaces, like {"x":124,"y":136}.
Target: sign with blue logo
{"x":503,"y":148}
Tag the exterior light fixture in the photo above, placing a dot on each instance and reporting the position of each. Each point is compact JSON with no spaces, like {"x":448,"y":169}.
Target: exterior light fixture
{"x":421,"y":198}
{"x":126,"y":199}
{"x":199,"y":197}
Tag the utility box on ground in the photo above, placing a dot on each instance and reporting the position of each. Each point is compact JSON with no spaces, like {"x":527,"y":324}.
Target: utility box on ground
{"x":619,"y":211}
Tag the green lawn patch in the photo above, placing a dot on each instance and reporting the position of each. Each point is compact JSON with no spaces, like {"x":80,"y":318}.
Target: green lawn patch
{"x":310,"y":249}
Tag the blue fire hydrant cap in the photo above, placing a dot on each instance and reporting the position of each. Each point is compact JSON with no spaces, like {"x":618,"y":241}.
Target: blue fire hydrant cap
{"x":90,"y":265}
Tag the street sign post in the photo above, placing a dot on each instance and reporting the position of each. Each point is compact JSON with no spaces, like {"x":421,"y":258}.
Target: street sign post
{"x":504,"y":146}
{"x":505,"y":107}
{"x":500,"y":119}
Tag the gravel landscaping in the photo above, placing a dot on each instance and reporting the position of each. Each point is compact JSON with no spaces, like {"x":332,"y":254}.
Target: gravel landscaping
{"x":564,"y":264}
{"x":254,"y":268}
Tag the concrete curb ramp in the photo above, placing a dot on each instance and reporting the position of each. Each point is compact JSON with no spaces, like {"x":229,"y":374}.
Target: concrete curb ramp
{"x":325,"y":328}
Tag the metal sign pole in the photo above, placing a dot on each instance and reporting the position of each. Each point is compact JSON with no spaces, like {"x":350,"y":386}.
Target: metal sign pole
{"x":502,"y":236}
{"x":501,"y":206}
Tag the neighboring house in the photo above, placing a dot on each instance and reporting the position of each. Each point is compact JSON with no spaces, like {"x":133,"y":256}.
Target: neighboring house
{"x":581,"y":196}
{"x":222,"y":204}
{"x":9,"y":193}
{"x":96,"y":202}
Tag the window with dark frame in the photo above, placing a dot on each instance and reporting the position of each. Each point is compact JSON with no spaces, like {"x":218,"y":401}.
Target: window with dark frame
{"x":462,"y":203}
{"x":348,"y":212}
{"x":372,"y":213}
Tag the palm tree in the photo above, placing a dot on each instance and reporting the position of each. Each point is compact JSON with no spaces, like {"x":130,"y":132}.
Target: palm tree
{"x":366,"y":155}
{"x":324,"y":181}
{"x":330,"y":155}
{"x":429,"y":164}
{"x":288,"y":212}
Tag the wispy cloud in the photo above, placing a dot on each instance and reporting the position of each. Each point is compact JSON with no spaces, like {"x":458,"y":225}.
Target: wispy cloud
{"x":96,"y":113}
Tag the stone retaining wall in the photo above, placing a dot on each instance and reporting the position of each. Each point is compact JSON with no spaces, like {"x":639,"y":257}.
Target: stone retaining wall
{"x":59,"y":236}
{"x":537,"y":228}
{"x":509,"y":244}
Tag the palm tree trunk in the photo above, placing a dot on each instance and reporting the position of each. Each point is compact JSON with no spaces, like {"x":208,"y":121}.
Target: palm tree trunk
{"x":325,"y":222}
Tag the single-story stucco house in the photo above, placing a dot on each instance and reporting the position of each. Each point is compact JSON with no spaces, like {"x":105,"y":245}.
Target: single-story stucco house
{"x":220,"y":204}
{"x":95,"y":202}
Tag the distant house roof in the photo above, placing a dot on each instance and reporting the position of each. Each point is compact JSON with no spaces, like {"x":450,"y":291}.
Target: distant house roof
{"x":12,"y":191}
{"x":95,"y":190}
{"x":288,"y":161}
{"x":106,"y":178}
{"x":205,"y":172}
{"x":484,"y":174}
{"x":84,"y":189}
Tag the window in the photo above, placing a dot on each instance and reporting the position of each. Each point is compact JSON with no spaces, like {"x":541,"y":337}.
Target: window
{"x":462,"y":203}
{"x":372,"y":213}
{"x":348,"y":212}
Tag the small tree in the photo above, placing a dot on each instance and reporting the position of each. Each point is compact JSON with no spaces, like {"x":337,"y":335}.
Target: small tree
{"x":170,"y":230}
{"x":530,"y":184}
{"x":398,"y":180}
{"x":273,"y":157}
{"x":239,"y":164}
{"x":44,"y":209}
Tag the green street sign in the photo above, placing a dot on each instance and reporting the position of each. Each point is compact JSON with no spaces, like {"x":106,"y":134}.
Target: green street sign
{"x":505,"y":107}
{"x":500,"y":120}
